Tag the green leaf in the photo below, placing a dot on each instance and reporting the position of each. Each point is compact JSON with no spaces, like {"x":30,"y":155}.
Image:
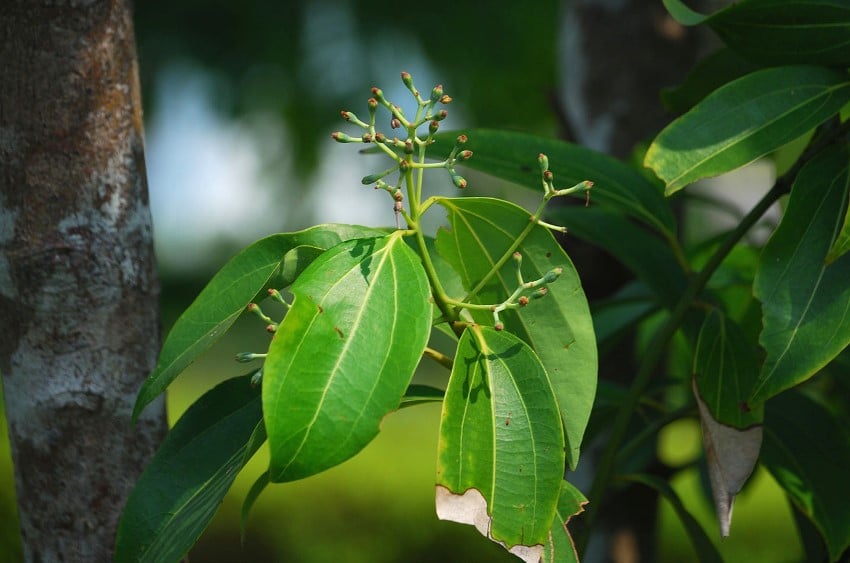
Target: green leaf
{"x":225,"y":297}
{"x":647,"y":255}
{"x":779,"y":32}
{"x":744,"y":120}
{"x":841,"y":245}
{"x":705,"y":549}
{"x":501,"y":450}
{"x":615,"y":316}
{"x":417,"y":394}
{"x":181,"y":489}
{"x":725,"y":371}
{"x":344,"y":354}
{"x":806,"y":303}
{"x":560,"y":547}
{"x":513,"y":156}
{"x":559,"y":326}
{"x":253,"y":494}
{"x":807,"y":450}
{"x":710,"y":73}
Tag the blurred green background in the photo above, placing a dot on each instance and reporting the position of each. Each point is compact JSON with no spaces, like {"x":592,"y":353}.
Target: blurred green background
{"x":240,"y":101}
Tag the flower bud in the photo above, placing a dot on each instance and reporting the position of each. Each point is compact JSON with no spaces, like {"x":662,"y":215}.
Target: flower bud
{"x":464,"y":155}
{"x":436,"y":93}
{"x":548,"y":176}
{"x":366,"y":138}
{"x":457,"y":179}
{"x":543,"y":160}
{"x":433,"y":126}
{"x":553,"y":275}
{"x":341,"y":137}
{"x":408,"y":147}
{"x":540,"y":293}
{"x":462,"y":139}
{"x":523,"y":301}
{"x":499,"y":326}
{"x":395,"y":123}
{"x":446,"y":99}
{"x":380,"y":137}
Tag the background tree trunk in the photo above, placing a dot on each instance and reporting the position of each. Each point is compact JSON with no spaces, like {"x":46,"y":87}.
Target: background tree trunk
{"x":78,"y":288}
{"x":615,"y":56}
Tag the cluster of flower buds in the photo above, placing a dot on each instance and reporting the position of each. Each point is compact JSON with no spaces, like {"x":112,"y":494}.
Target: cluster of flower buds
{"x":525,"y":291}
{"x":408,"y":153}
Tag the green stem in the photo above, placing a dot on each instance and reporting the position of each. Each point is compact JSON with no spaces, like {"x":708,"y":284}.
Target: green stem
{"x":606,"y":466}
{"x":439,"y":357}
{"x":532,"y":222}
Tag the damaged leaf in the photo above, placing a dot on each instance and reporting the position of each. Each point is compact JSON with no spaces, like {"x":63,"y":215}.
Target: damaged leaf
{"x":731,"y":455}
{"x":559,"y":327}
{"x":344,"y":354}
{"x":501,"y":449}
{"x":560,"y":548}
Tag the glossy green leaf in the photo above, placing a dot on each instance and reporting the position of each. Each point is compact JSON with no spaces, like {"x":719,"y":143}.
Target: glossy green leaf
{"x":560,"y":547}
{"x":643,"y":252}
{"x":705,"y":549}
{"x":725,"y":370}
{"x":615,"y":316}
{"x":228,"y":293}
{"x":344,"y":354}
{"x":778,"y":32}
{"x":744,"y":120}
{"x":181,"y":489}
{"x":501,"y":449}
{"x":806,"y":303}
{"x":710,"y":73}
{"x":807,"y":450}
{"x":559,"y":326}
{"x":513,"y":156}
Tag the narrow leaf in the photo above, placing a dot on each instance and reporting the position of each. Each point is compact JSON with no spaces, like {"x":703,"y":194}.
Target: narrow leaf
{"x":558,"y":327}
{"x":842,"y":242}
{"x":501,"y":450}
{"x":807,"y":450}
{"x":560,"y":548}
{"x":344,"y":354}
{"x":705,"y":549}
{"x":512,"y":156}
{"x":744,"y":120}
{"x":253,"y":494}
{"x":225,"y":297}
{"x":181,"y":489}
{"x":806,"y":303}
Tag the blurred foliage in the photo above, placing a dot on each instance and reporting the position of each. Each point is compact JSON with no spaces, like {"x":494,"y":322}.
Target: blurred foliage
{"x":303,"y":62}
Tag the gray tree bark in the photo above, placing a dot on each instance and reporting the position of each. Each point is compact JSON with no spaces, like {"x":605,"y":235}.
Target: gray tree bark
{"x":79,"y":321}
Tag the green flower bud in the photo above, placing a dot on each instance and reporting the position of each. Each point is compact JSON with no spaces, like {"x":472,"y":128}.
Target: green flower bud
{"x":464,"y":155}
{"x":341,"y":137}
{"x":543,"y":160}
{"x":461,"y":140}
{"x":553,"y":275}
{"x":540,"y":293}
{"x":436,"y":93}
{"x":457,"y":179}
{"x":433,"y":126}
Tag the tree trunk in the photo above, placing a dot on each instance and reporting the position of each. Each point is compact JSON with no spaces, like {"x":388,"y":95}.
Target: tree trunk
{"x":615,"y":57}
{"x":79,"y":321}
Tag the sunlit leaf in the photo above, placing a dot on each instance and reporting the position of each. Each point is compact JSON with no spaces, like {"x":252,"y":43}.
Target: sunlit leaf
{"x":806,"y":302}
{"x":181,"y":489}
{"x":344,"y":354}
{"x":501,"y":449}
{"x":558,"y":327}
{"x":744,"y":120}
{"x":512,"y":156}
{"x":225,"y":297}
{"x":807,"y":450}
